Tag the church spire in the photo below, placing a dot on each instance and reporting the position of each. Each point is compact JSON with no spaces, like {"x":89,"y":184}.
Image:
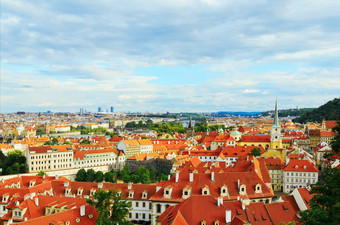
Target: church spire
{"x":276,"y":116}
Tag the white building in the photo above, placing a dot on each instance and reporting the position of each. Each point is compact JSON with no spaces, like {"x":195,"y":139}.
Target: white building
{"x":47,"y":158}
{"x":298,"y":174}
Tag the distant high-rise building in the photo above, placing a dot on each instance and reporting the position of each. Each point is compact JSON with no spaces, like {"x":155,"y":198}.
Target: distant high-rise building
{"x":81,"y":111}
{"x":99,"y":109}
{"x":111,"y":109}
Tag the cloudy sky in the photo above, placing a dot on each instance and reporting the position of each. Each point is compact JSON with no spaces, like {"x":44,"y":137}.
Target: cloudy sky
{"x":177,"y":56}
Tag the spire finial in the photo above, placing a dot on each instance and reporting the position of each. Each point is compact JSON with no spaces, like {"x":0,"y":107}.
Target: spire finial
{"x":276,"y":116}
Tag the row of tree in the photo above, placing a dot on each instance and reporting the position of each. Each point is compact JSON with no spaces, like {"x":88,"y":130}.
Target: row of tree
{"x":91,"y":176}
{"x":170,"y":127}
{"x":141,"y":175}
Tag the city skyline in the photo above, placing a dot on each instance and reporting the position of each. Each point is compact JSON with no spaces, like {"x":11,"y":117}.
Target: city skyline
{"x":178,"y":56}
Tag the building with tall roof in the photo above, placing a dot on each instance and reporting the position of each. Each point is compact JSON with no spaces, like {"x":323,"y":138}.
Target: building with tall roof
{"x":275,"y":131}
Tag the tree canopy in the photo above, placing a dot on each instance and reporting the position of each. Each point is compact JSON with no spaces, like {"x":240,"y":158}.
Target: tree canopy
{"x":110,"y":207}
{"x":255,"y":151}
{"x":325,"y":204}
{"x":14,"y":163}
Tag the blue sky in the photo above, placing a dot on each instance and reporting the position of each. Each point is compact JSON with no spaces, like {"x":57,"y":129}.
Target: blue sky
{"x":177,"y":56}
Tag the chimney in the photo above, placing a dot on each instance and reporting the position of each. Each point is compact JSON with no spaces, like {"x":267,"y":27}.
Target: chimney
{"x":44,"y":177}
{"x":56,"y":177}
{"x":212,"y":176}
{"x":100,"y":185}
{"x":129,"y":186}
{"x":238,"y":183}
{"x":158,"y":188}
{"x":219,"y":201}
{"x":191,"y":177}
{"x":177,"y":177}
{"x":66,"y":184}
{"x":82,"y":210}
{"x":228,"y":216}
{"x":169,"y":177}
{"x":25,"y":219}
{"x":36,"y":201}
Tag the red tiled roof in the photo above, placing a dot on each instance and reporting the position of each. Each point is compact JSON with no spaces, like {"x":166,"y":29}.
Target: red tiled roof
{"x":306,"y":196}
{"x":301,"y":166}
{"x":255,"y":138}
{"x":330,"y":124}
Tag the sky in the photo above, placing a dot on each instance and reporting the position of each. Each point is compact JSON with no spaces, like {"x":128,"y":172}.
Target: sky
{"x":176,"y":56}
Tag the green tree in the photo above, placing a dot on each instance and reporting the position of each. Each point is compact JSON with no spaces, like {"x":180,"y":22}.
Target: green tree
{"x":14,"y":162}
{"x":85,"y":142}
{"x":255,"y":151}
{"x":110,"y":202}
{"x":54,"y":141}
{"x":153,"y":174}
{"x":126,"y":178}
{"x":108,"y":176}
{"x":40,"y":131}
{"x":325,"y":204}
{"x":135,"y":179}
{"x":41,"y":173}
{"x":335,"y":143}
{"x":81,"y":175}
{"x":90,"y":175}
{"x":99,"y":176}
{"x":145,"y":178}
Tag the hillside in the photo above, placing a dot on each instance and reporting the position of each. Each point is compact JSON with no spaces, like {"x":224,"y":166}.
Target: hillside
{"x":289,"y":112}
{"x":328,"y":111}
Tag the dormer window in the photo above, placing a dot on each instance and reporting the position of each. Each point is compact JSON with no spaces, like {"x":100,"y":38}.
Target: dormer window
{"x":67,"y":191}
{"x":243,"y":189}
{"x":144,"y":195}
{"x":216,"y":222}
{"x":5,"y":198}
{"x":258,"y":188}
{"x":131,"y":193}
{"x":186,"y":192}
{"x":167,"y":191}
{"x":205,"y":190}
{"x":92,"y":191}
{"x":80,"y":191}
{"x":203,"y":222}
{"x":296,"y":166}
{"x":32,"y":183}
{"x":224,"y":191}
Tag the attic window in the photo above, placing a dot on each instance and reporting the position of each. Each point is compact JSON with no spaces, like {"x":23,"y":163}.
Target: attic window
{"x":203,"y":222}
{"x":216,"y":222}
{"x":296,"y":166}
{"x":80,"y":191}
{"x":77,"y":220}
{"x":68,"y":191}
{"x":144,"y":195}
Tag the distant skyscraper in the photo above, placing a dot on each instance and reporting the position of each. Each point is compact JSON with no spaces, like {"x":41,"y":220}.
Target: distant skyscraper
{"x":99,"y":109}
{"x":111,"y":109}
{"x":81,"y":111}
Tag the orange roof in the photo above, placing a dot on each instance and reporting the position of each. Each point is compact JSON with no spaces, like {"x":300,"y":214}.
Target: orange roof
{"x":301,"y":166}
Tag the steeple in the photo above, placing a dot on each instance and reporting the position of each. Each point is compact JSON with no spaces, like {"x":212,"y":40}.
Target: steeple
{"x":190,"y":126}
{"x":276,"y":116}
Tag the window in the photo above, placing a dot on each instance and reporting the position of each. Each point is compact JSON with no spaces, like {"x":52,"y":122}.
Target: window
{"x":144,"y":204}
{"x":137,"y":204}
{"x":158,"y":208}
